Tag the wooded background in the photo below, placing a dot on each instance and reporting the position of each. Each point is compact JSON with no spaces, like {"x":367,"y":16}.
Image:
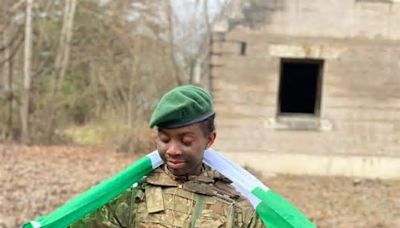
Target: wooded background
{"x":89,"y":71}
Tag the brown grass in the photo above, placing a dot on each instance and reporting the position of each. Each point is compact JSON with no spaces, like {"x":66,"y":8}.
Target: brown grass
{"x":36,"y":180}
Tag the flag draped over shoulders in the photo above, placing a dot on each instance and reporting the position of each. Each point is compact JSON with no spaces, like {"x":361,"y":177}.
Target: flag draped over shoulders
{"x":272,"y":208}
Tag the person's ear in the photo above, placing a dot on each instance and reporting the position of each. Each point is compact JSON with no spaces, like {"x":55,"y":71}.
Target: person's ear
{"x":211,"y":138}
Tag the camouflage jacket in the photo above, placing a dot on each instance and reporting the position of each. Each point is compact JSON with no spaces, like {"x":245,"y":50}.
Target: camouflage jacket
{"x":163,"y":200}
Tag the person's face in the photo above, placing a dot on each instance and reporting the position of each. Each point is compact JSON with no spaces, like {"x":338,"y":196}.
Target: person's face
{"x":182,"y":148}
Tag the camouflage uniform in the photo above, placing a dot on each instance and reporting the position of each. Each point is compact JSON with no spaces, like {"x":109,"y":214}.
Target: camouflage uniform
{"x":163,"y":200}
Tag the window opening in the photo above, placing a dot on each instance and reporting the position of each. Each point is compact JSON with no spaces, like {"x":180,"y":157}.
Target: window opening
{"x":243,"y":47}
{"x":300,"y":86}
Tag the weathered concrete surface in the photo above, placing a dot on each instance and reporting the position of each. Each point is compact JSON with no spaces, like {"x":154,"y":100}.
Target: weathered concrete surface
{"x":331,"y":165}
{"x":310,"y":52}
{"x":360,"y":102}
{"x":359,"y":116}
{"x":319,"y":18}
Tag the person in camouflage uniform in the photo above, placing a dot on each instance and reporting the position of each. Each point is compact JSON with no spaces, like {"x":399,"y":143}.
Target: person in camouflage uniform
{"x":184,"y":192}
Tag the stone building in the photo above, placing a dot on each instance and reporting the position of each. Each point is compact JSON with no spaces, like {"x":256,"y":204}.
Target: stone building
{"x":309,"y":86}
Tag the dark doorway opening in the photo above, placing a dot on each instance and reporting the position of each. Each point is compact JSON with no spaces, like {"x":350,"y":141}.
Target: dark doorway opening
{"x":300,"y":86}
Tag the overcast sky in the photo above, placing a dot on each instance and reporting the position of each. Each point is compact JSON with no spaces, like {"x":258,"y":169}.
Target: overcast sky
{"x":187,"y":8}
{"x":190,"y":20}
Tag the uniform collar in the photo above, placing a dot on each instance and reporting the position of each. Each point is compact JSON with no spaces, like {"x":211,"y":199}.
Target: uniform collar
{"x":163,"y":177}
{"x":203,"y":177}
{"x":209,"y":182}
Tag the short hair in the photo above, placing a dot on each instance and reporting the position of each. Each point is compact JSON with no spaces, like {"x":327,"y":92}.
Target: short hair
{"x":208,"y":125}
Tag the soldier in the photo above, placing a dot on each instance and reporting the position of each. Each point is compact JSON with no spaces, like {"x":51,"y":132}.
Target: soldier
{"x":184,"y":192}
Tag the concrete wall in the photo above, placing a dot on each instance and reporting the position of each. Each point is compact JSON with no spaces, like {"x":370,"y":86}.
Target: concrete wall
{"x":360,"y":102}
{"x":326,"y":18}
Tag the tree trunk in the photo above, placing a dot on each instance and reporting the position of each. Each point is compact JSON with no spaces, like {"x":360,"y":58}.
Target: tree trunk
{"x":8,"y":76}
{"x":208,"y":46}
{"x":202,"y":57}
{"x":5,"y":64}
{"x":27,"y":73}
{"x":171,"y":42}
{"x":61,"y":62}
{"x":11,"y":98}
{"x":69,"y":21}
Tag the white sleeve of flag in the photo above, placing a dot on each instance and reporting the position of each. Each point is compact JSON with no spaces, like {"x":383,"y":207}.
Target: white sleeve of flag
{"x":243,"y":181}
{"x":155,"y":158}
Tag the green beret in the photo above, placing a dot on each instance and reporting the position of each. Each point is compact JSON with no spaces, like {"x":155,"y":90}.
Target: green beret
{"x":182,"y":106}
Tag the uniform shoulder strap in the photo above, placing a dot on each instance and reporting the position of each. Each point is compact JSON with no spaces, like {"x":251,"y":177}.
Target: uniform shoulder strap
{"x":159,"y":178}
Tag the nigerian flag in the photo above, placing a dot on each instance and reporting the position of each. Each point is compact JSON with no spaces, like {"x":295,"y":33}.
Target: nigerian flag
{"x":272,"y":208}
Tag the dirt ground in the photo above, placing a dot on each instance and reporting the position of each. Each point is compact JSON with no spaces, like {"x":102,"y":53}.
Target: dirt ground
{"x":35,"y":180}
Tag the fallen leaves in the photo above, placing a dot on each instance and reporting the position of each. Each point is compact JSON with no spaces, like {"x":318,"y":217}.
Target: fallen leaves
{"x":36,"y":180}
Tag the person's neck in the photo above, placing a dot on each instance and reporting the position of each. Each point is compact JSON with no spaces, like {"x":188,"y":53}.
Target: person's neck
{"x":185,"y":177}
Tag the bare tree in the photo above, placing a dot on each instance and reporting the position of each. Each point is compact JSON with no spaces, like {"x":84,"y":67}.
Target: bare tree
{"x":27,"y":73}
{"x":93,"y":61}
{"x":202,"y":56}
{"x":63,"y":53}
{"x":7,"y":81}
{"x":11,"y":41}
{"x":171,"y":36}
{"x":62,"y":60}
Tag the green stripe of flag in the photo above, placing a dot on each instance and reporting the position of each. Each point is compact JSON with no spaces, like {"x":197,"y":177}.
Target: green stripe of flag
{"x":272,"y":208}
{"x":276,"y":212}
{"x":95,"y":197}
